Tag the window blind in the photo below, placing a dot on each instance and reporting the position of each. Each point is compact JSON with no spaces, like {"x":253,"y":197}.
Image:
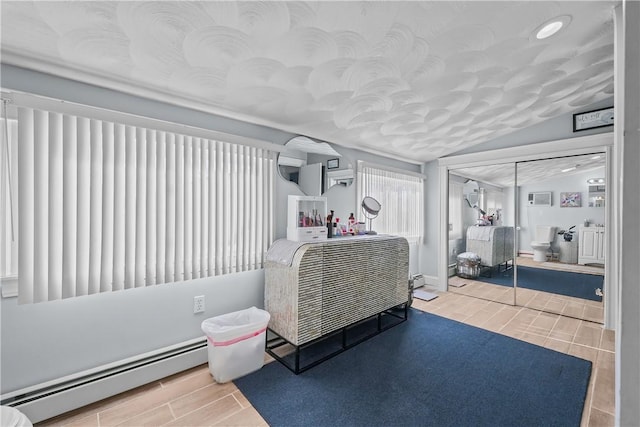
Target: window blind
{"x":106,"y":206}
{"x":401,"y":197}
{"x":8,"y":217}
{"x":456,"y":195}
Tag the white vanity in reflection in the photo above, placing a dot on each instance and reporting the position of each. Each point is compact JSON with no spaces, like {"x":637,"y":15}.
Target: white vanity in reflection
{"x":591,"y":245}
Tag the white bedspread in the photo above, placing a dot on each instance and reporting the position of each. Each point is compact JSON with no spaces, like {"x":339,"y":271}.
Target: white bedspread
{"x":479,"y":233}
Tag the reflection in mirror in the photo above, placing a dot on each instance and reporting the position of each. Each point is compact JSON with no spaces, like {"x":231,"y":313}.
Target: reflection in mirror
{"x":342,"y":177}
{"x":561,"y":245}
{"x":596,"y":192}
{"x":481,"y":233}
{"x":471,"y":190}
{"x":305,"y":162}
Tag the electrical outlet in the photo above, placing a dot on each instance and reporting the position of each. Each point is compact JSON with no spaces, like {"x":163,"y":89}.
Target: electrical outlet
{"x":198,"y":304}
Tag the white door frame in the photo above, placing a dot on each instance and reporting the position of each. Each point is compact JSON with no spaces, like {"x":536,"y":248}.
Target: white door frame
{"x":544,"y":150}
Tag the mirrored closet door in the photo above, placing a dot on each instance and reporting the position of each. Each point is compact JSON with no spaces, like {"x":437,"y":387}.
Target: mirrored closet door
{"x":481,"y":237}
{"x":560,"y":218}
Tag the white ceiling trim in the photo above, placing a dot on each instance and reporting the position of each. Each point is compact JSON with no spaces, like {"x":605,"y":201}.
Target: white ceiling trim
{"x":563,"y":147}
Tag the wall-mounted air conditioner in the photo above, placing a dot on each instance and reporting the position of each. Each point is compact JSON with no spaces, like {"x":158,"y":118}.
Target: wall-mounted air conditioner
{"x":542,"y":198}
{"x":290,"y":161}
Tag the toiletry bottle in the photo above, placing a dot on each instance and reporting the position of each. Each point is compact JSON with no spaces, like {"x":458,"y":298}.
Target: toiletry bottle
{"x":351,"y":224}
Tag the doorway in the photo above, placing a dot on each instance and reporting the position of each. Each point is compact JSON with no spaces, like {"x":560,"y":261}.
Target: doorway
{"x":561,"y":222}
{"x":553,"y":210}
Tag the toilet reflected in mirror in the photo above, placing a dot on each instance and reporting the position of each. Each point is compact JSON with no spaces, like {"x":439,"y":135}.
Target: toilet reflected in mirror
{"x":545,"y":235}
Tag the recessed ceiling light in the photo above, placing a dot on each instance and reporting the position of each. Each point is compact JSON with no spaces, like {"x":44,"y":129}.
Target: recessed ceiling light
{"x":569,"y":169}
{"x":595,"y":157}
{"x":551,"y":27}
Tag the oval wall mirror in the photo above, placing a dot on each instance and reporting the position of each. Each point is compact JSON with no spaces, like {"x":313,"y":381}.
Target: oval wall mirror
{"x":471,"y":191}
{"x":314,"y":166}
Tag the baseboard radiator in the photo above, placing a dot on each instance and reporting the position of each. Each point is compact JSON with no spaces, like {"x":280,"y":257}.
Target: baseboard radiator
{"x":551,"y":256}
{"x":53,"y":398}
{"x":451,"y":270}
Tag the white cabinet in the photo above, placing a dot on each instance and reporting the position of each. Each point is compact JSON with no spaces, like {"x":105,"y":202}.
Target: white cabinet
{"x":306,"y":218}
{"x":324,"y":287}
{"x":591,"y":245}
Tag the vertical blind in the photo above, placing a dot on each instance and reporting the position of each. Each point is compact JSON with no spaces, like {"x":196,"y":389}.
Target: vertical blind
{"x":401,"y":197}
{"x":456,"y":195}
{"x":106,"y":206}
{"x":8,"y":217}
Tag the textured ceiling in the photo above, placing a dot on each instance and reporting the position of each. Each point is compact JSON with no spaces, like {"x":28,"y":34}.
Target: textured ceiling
{"x":503,"y":175}
{"x":410,"y":80}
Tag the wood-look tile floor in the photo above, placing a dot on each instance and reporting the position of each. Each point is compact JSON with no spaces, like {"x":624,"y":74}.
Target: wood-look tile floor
{"x":592,"y":311}
{"x":560,"y":266}
{"x":192,"y":398}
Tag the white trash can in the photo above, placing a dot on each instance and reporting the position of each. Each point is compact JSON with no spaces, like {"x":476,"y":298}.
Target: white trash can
{"x":11,"y":417}
{"x":236,"y":343}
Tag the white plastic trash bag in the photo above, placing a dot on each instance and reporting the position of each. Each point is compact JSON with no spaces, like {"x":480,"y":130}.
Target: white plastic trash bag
{"x":236,"y":343}
{"x":11,"y":417}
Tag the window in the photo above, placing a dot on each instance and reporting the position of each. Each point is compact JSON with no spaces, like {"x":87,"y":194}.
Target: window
{"x":8,"y":217}
{"x":106,"y":205}
{"x":456,"y":196}
{"x":401,"y":196}
{"x":494,"y":204}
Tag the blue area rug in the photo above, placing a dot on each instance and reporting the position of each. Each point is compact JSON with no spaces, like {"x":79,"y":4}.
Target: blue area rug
{"x":427,"y":371}
{"x":571,"y":284}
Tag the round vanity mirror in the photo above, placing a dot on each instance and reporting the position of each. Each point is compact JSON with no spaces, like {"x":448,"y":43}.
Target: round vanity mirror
{"x":371,"y":208}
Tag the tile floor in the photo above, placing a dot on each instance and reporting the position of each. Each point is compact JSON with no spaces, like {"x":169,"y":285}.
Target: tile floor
{"x":592,"y":311}
{"x":192,"y":398}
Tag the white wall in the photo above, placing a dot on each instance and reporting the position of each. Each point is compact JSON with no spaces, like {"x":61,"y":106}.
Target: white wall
{"x":45,"y":341}
{"x":554,"y":215}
